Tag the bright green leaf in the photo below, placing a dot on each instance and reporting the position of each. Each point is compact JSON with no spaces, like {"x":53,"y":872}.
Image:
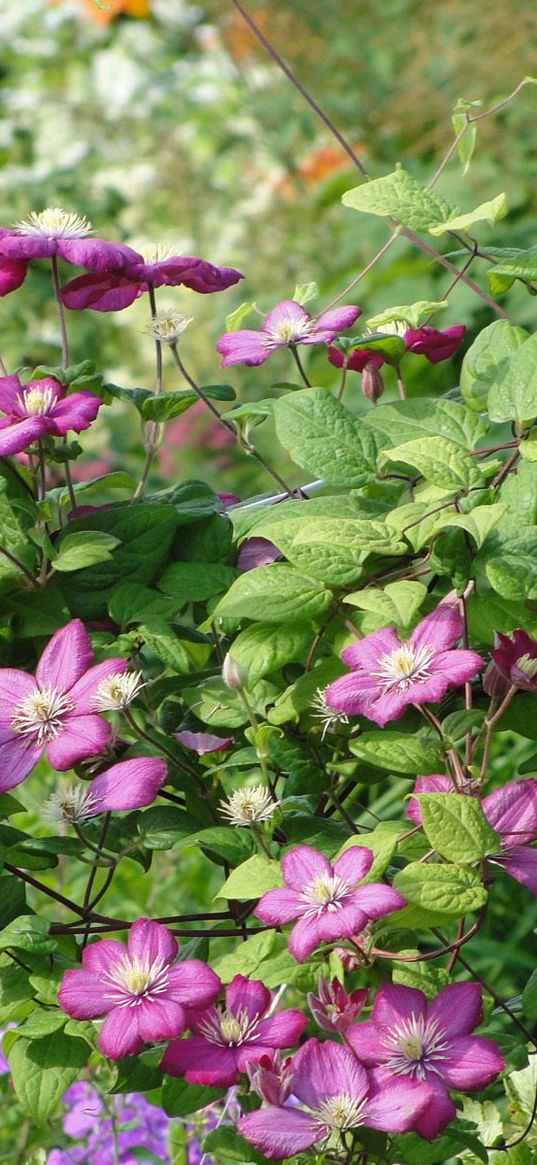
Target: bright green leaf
{"x":490,"y":212}
{"x":252,"y":878}
{"x":442,"y":889}
{"x":398,"y":195}
{"x":456,"y":827}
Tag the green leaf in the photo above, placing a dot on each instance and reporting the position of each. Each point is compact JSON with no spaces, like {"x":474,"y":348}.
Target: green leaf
{"x":42,"y":1022}
{"x":398,"y":195}
{"x":517,"y":264}
{"x":450,"y":889}
{"x":391,"y":347}
{"x":331,"y":549}
{"x":466,"y":144}
{"x":397,"y":603}
{"x":136,"y":1076}
{"x":229,"y":1145}
{"x":265,"y":647}
{"x":305,"y":292}
{"x":511,"y":566}
{"x":322,"y":436}
{"x":252,"y":878}
{"x":478,"y":522}
{"x":438,"y":460}
{"x":529,"y":997}
{"x":167,"y":405}
{"x":76,"y":551}
{"x":28,"y":932}
{"x":165,"y":825}
{"x":409,"y":419}
{"x":235,"y":318}
{"x":513,"y":396}
{"x":487,"y":360}
{"x":246,"y":959}
{"x":490,"y":212}
{"x":180,"y":1099}
{"x":274,"y":594}
{"x":298,"y":697}
{"x":398,"y":753}
{"x":411,"y":314}
{"x":191,"y":583}
{"x":43,"y":1069}
{"x":159,"y":639}
{"x":456,"y":827}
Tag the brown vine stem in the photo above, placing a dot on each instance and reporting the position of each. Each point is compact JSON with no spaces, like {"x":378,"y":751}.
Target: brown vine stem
{"x":20,"y":565}
{"x":490,"y":726}
{"x":398,"y":230}
{"x":430,"y":955}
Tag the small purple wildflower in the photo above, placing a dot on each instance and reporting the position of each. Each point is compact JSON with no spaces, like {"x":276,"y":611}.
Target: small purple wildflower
{"x":326,"y":899}
{"x":55,"y":712}
{"x":285,"y":326}
{"x":408,"y":1038}
{"x":41,"y":407}
{"x":140,"y":989}
{"x":226,"y":1039}
{"x":139,"y":1125}
{"x":338,"y":1096}
{"x":389,"y":675}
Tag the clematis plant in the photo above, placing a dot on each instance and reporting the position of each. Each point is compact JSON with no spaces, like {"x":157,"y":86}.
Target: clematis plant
{"x":287,"y":325}
{"x":118,"y":285}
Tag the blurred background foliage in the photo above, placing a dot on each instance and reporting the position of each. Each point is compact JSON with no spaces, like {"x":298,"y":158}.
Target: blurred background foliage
{"x":164,"y":121}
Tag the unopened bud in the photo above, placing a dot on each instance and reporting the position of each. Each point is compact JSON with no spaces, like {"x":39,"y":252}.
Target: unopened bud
{"x":271,"y":1078}
{"x":495,"y":684}
{"x":333,"y":1008}
{"x":234,"y":674}
{"x":372,"y":382}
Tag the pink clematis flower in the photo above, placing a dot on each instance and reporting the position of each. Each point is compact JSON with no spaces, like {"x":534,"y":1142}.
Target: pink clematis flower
{"x":389,"y":675}
{"x":286,"y":325}
{"x":409,"y":1038}
{"x":326,"y":899}
{"x":55,"y":233}
{"x":226,"y":1039}
{"x":434,"y":343}
{"x":54,"y":712}
{"x":139,"y":988}
{"x":203,"y":742}
{"x":40,"y":407}
{"x":113,"y":290}
{"x":511,"y":811}
{"x":513,"y":663}
{"x":336,"y":1095}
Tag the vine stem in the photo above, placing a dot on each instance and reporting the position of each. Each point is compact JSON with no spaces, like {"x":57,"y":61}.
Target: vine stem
{"x":300,"y":365}
{"x":20,"y":565}
{"x":491,"y":723}
{"x":231,"y":428}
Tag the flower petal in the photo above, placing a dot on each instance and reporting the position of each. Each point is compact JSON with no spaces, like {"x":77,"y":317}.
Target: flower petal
{"x":66,"y":657}
{"x":365,"y":653}
{"x":160,"y":1019}
{"x":397,"y":1107}
{"x":394,"y":1003}
{"x":131,"y":784}
{"x":201,"y":1062}
{"x":321,"y":1070}
{"x":15,"y":686}
{"x":365,"y":1041}
{"x":151,"y":940}
{"x":335,"y":320}
{"x":81,"y":737}
{"x":302,"y":864}
{"x":471,"y":1062}
{"x":349,"y":919}
{"x":101,"y":956}
{"x":457,"y":1008}
{"x":354,"y":864}
{"x":10,"y":387}
{"x":243,"y":347}
{"x":276,"y":907}
{"x":247,"y":995}
{"x":512,"y":811}
{"x":376,"y":899}
{"x":279,"y":1132}
{"x":303,"y":938}
{"x":441,"y":629}
{"x":18,"y":756}
{"x":17,"y":437}
{"x":82,"y":996}
{"x":97,"y":254}
{"x":119,"y":1035}
{"x":108,"y":292}
{"x":193,"y":983}
{"x":287,"y":311}
{"x":282,"y":1030}
{"x":438,"y":1114}
{"x":521,"y":863}
{"x":84,"y":692}
{"x":76,"y":412}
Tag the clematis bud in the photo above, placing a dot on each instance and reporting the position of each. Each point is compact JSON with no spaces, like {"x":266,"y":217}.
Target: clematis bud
{"x":515,"y":657}
{"x":372,"y":382}
{"x":494,"y":682}
{"x":233,"y":674}
{"x":334,"y":1009}
{"x":271,"y":1078}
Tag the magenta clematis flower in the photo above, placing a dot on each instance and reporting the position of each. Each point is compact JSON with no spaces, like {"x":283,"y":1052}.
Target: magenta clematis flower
{"x":515,"y":658}
{"x":338,"y":1096}
{"x":286,"y":325}
{"x":56,"y":233}
{"x":389,"y":675}
{"x":409,"y":1038}
{"x":334,"y":1009}
{"x":511,"y":811}
{"x":131,"y":784}
{"x":434,"y":343}
{"x":12,"y":271}
{"x":226,"y":1039}
{"x":326,"y":899}
{"x":115,"y":289}
{"x":55,"y":712}
{"x":40,"y":407}
{"x":203,"y":742}
{"x":141,"y":991}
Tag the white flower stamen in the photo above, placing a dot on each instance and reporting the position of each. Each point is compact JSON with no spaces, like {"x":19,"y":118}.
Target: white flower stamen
{"x":341,"y":1112}
{"x":527,"y":665}
{"x":405,"y":666}
{"x":290,"y":330}
{"x":54,"y":223}
{"x":415,"y":1045}
{"x":326,"y":892}
{"x":247,"y":806}
{"x":117,"y":692}
{"x":228,"y":1030}
{"x":70,"y":804}
{"x":156,"y":252}
{"x":168,"y":326}
{"x":36,"y":402}
{"x":134,"y":979}
{"x":41,"y":714}
{"x":329,"y":719}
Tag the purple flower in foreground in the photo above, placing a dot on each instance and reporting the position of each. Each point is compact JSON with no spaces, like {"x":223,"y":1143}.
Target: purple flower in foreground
{"x":55,"y":712}
{"x":326,"y":899}
{"x":143,"y":995}
{"x":203,"y":742}
{"x":338,"y":1096}
{"x":389,"y":675}
{"x":409,"y":1038}
{"x":226,"y":1039}
{"x":40,"y":407}
{"x":286,"y":325}
{"x":434,"y":343}
{"x":56,"y":233}
{"x":511,"y":811}
{"x":113,"y":290}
